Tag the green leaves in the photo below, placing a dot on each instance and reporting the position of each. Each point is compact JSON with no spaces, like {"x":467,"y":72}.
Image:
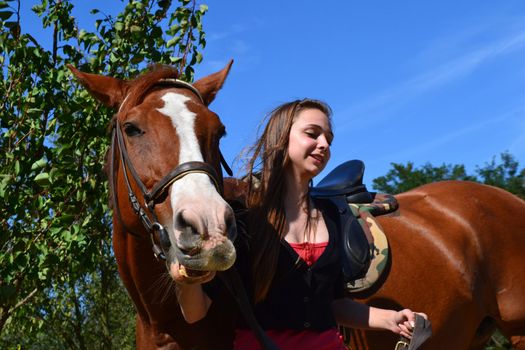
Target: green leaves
{"x":7,"y":292}
{"x":39,"y":164}
{"x":5,"y":15}
{"x":135,"y":28}
{"x":119,"y":26}
{"x":173,"y":41}
{"x":4,"y":182}
{"x":402,"y":178}
{"x":187,"y":36}
{"x":43,"y":179}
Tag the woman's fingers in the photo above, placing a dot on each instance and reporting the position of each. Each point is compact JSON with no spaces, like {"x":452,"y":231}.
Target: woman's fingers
{"x":423,"y":315}
{"x":406,"y":329}
{"x":178,"y":274}
{"x":407,"y":326}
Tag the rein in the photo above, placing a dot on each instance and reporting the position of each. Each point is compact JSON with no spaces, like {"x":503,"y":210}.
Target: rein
{"x":151,"y":197}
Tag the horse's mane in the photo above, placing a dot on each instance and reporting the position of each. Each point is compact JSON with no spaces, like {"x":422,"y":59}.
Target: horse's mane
{"x":143,"y":84}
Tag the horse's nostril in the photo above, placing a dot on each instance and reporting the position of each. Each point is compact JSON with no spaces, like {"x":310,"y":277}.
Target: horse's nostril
{"x":185,"y":224}
{"x":180,"y":221}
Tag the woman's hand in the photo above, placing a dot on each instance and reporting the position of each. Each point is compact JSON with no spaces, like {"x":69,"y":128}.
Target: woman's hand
{"x":181,"y":276}
{"x":403,"y":322}
{"x":353,"y":314}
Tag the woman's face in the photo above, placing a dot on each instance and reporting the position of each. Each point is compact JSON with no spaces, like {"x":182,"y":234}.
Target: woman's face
{"x":309,"y":144}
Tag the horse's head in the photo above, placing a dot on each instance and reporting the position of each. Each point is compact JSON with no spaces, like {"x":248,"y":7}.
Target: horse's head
{"x":165,"y":152}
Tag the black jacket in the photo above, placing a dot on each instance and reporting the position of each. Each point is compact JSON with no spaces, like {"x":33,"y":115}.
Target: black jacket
{"x":300,"y":296}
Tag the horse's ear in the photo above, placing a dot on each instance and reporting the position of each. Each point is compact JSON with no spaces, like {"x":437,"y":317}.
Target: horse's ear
{"x":210,"y":85}
{"x":110,"y":91}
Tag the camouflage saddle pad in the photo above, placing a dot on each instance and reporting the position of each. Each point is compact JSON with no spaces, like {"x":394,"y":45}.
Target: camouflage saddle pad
{"x":379,"y":250}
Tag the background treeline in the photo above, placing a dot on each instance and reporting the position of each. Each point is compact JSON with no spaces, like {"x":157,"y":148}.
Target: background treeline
{"x":59,"y":286}
{"x":504,"y":172}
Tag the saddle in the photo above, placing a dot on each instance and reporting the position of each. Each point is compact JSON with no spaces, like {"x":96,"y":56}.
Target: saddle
{"x":344,"y":187}
{"x":346,"y":180}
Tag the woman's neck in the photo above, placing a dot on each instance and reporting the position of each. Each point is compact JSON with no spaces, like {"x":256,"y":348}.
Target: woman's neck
{"x":301,"y":216}
{"x":296,"y":197}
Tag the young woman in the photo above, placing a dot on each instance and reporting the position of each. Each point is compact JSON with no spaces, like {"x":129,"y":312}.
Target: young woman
{"x":290,"y":263}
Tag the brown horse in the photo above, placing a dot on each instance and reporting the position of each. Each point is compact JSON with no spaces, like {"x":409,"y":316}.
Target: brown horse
{"x":165,"y":177}
{"x":458,"y":254}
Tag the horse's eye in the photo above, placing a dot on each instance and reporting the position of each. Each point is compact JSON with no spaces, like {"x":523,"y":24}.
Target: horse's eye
{"x":132,"y":130}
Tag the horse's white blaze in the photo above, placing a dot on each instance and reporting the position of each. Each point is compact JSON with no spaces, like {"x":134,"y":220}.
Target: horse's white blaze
{"x":184,"y":122}
{"x":195,"y":191}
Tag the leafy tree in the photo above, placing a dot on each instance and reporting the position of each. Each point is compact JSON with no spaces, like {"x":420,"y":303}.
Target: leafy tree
{"x":505,"y":175}
{"x":58,"y":284}
{"x":405,"y":177}
{"x":402,"y":178}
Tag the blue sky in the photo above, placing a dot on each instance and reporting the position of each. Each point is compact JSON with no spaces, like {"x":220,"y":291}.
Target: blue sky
{"x":407,"y":80}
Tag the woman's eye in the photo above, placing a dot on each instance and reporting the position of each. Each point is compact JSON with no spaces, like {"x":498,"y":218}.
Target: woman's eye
{"x":311,"y":134}
{"x":132,"y":130}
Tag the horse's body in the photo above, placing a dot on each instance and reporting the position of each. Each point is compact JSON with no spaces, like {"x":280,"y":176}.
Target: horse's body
{"x":458,"y":254}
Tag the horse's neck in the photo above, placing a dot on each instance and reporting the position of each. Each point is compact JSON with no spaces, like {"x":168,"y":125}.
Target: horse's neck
{"x":145,"y":278}
{"x":235,"y":190}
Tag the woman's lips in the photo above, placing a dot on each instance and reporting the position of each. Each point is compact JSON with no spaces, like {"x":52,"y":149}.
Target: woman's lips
{"x":318,"y":158}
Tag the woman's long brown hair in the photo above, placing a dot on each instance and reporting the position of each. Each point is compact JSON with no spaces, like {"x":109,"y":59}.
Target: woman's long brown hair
{"x":267,"y":190}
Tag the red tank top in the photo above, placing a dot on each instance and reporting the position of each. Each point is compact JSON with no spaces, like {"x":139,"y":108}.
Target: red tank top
{"x":289,"y":339}
{"x":309,"y":252}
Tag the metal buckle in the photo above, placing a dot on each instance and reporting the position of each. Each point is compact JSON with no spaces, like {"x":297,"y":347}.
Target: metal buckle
{"x":401,"y":345}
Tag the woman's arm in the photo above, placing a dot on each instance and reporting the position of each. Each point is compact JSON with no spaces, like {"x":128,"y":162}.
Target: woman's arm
{"x":353,"y":314}
{"x":193,"y":301}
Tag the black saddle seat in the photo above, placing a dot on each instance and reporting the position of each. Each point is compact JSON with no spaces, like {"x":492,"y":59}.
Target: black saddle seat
{"x":345,"y":180}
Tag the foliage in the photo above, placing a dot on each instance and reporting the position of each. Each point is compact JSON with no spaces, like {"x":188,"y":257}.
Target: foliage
{"x":93,"y":311}
{"x":56,"y":259}
{"x":505,"y":175}
{"x":405,"y":177}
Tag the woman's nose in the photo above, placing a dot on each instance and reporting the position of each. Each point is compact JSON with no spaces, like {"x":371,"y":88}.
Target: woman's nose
{"x":323,"y":142}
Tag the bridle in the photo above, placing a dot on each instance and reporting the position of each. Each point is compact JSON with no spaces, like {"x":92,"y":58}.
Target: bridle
{"x":154,"y":196}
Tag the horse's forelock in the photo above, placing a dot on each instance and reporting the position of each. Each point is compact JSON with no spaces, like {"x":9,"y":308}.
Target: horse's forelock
{"x":142,"y":85}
